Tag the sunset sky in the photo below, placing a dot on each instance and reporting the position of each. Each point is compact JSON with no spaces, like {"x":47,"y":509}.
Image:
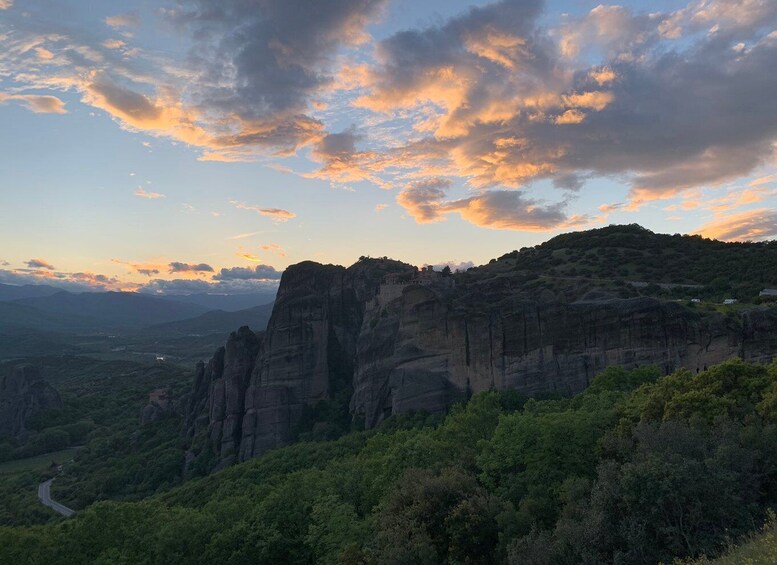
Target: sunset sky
{"x":193,"y":145}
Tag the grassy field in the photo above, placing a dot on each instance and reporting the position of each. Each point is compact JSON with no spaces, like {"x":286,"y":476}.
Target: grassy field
{"x":37,"y":463}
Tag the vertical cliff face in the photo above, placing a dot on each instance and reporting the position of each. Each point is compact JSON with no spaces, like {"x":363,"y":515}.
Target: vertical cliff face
{"x":24,"y":393}
{"x":421,"y":343}
{"x":419,"y":353}
{"x":257,"y":390}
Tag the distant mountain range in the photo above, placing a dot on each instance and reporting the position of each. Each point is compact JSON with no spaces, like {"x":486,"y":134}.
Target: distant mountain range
{"x":49,"y":309}
{"x":226,"y":302}
{"x":13,"y":292}
{"x":218,"y":321}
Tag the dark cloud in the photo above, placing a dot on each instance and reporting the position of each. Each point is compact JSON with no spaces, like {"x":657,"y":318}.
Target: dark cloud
{"x":177,"y":267}
{"x":427,"y":201}
{"x":260,"y":272}
{"x":263,"y":61}
{"x":148,"y":272}
{"x":40,"y":264}
{"x":510,"y":210}
{"x":73,"y":282}
{"x":185,"y":286}
{"x":516,"y":103}
{"x":424,"y":199}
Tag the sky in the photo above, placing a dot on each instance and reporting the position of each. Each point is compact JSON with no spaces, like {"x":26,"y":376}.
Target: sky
{"x":203,"y":146}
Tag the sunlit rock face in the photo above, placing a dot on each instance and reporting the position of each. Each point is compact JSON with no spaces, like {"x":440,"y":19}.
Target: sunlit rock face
{"x":24,"y":393}
{"x":403,"y":340}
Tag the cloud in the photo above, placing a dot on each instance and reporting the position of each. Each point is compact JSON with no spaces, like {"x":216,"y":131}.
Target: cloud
{"x":73,"y":282}
{"x":244,"y":235}
{"x":509,"y":210}
{"x":260,"y":272}
{"x":140,"y":191}
{"x":40,"y":104}
{"x":262,"y":64}
{"x":277,"y":214}
{"x":177,"y":267}
{"x":146,"y":269}
{"x":753,"y":225}
{"x":497,"y":97}
{"x":188,"y":286}
{"x":123,"y":20}
{"x":6,"y":4}
{"x":507,"y":103}
{"x":426,"y":201}
{"x":176,"y":286}
{"x":274,"y":248}
{"x":249,"y":256}
{"x":454,"y":265}
{"x":40,"y":264}
{"x":380,"y":207}
{"x":114,"y":44}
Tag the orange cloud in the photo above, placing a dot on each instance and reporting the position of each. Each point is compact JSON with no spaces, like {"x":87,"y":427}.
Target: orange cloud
{"x":426,"y":201}
{"x":151,"y":195}
{"x":603,"y":76}
{"x":277,"y":214}
{"x":275,"y":249}
{"x":146,"y":269}
{"x":162,"y":115}
{"x":738,"y":199}
{"x":40,"y":264}
{"x":594,"y":100}
{"x":249,"y":256}
{"x":571,"y":117}
{"x":745,"y":226}
{"x":244,"y":235}
{"x":113,"y":44}
{"x":122,"y":20}
{"x":40,"y":104}
{"x":764,"y":180}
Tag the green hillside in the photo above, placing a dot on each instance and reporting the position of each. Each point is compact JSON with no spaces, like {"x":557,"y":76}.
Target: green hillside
{"x":636,"y":469}
{"x":615,"y":256}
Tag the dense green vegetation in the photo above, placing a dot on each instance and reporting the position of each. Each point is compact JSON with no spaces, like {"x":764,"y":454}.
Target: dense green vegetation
{"x":636,"y":469}
{"x":117,"y":458}
{"x":615,"y":256}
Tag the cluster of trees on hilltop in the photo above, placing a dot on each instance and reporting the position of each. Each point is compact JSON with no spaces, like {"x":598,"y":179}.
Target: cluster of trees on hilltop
{"x":636,"y":469}
{"x":633,"y":253}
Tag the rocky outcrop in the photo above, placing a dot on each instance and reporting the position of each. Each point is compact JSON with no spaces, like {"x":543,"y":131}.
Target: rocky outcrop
{"x":253,"y":393}
{"x":24,"y":393}
{"x":420,"y":353}
{"x":161,"y":404}
{"x":421,"y":343}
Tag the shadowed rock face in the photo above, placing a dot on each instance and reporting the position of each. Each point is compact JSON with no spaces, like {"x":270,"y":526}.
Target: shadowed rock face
{"x":423,"y":355}
{"x":252,"y":394}
{"x":24,"y":393}
{"x":424,"y":346}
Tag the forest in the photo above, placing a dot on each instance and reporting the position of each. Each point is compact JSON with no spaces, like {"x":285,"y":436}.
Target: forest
{"x":638,"y":468}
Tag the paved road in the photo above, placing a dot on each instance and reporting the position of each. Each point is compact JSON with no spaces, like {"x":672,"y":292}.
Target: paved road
{"x":44,"y":494}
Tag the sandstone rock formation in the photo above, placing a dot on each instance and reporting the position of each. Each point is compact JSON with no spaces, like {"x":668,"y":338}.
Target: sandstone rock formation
{"x":410,"y":341}
{"x":252,"y":393}
{"x":24,"y":393}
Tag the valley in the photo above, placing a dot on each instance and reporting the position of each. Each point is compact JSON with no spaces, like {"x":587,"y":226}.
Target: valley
{"x":513,"y":394}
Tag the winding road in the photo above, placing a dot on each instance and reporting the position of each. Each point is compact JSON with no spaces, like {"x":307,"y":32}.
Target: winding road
{"x":44,"y":494}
